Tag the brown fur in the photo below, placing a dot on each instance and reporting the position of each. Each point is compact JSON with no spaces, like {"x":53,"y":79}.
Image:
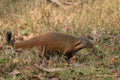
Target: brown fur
{"x":56,"y":42}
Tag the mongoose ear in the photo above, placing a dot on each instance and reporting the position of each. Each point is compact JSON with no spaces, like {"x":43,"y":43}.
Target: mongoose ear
{"x":9,"y":38}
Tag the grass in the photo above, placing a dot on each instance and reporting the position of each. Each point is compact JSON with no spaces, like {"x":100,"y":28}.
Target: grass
{"x":97,"y":19}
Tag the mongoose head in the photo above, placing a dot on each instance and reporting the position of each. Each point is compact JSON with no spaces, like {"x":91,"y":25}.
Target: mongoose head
{"x":86,"y":43}
{"x":83,"y":43}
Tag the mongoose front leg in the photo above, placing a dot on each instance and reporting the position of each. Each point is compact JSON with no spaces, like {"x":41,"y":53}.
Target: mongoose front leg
{"x":68,"y":55}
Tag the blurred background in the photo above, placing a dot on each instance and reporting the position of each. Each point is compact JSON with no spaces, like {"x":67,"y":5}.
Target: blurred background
{"x":99,"y":20}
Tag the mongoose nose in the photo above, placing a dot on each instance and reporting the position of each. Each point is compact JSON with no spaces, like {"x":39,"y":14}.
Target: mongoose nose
{"x":90,"y":45}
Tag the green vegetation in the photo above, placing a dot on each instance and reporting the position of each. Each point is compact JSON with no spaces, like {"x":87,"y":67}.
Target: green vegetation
{"x":97,"y":19}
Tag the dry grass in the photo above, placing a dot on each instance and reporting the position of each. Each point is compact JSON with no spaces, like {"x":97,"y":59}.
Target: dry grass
{"x":97,"y":19}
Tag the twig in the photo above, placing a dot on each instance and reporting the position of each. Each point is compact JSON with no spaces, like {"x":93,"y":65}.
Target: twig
{"x":58,"y":3}
{"x":50,"y":69}
{"x":107,"y":75}
{"x":72,"y":3}
{"x":44,"y":50}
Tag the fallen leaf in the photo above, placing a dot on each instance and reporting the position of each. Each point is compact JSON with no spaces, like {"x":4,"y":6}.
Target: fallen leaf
{"x":112,"y":59}
{"x":28,"y":37}
{"x":72,"y":60}
{"x":15,"y":72}
{"x":2,"y":78}
{"x":15,"y":60}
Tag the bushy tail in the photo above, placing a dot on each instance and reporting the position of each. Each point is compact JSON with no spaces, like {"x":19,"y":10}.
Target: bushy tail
{"x":9,"y":38}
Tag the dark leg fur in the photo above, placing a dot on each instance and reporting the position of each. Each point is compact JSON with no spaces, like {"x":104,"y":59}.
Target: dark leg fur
{"x":51,"y":54}
{"x":68,"y":55}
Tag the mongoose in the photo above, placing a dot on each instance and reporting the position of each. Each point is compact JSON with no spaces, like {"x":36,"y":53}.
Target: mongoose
{"x":53,"y":42}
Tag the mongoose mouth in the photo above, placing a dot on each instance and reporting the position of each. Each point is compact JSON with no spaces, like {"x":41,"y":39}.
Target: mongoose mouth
{"x":89,"y":45}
